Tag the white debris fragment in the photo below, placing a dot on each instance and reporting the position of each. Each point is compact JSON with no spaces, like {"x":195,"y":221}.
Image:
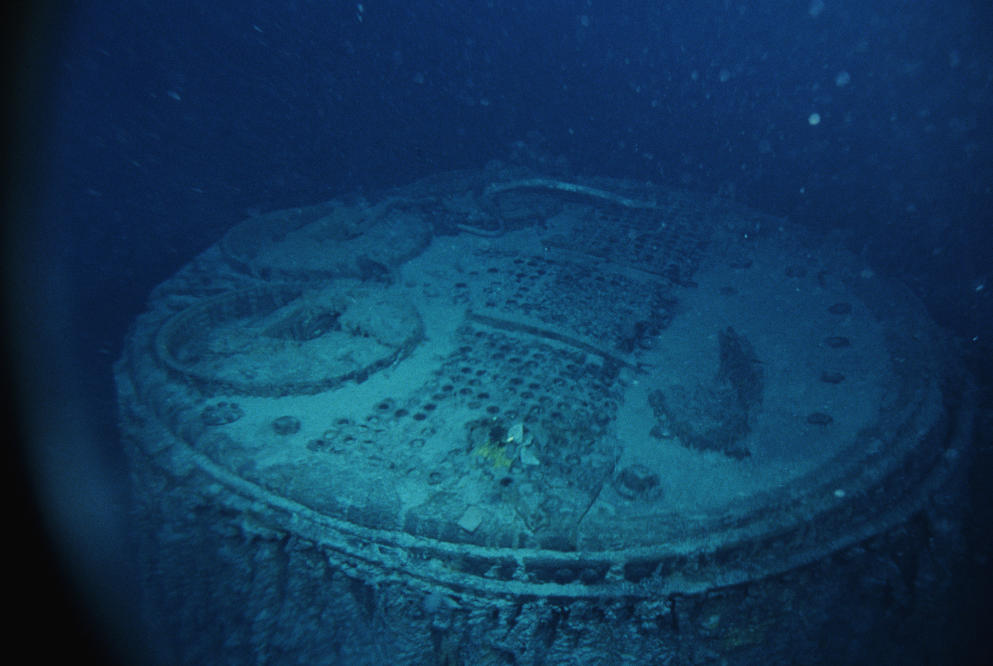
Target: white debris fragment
{"x":515,"y":433}
{"x":528,"y":457}
{"x":471,"y":519}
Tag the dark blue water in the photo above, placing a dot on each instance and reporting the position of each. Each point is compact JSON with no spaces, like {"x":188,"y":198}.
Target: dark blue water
{"x":152,"y":127}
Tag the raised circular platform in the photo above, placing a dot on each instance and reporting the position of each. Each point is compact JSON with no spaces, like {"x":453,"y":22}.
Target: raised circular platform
{"x":483,"y":405}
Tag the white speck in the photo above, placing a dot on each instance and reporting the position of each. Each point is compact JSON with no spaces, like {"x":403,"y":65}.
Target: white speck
{"x":980,"y":286}
{"x":815,"y":8}
{"x":584,"y":21}
{"x":174,"y":95}
{"x":814,"y":119}
{"x":842,"y":79}
{"x":839,"y":493}
{"x":724,"y":75}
